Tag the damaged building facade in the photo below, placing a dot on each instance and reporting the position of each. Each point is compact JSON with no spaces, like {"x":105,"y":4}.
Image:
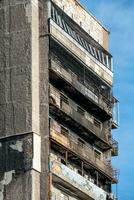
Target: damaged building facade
{"x":57,"y":108}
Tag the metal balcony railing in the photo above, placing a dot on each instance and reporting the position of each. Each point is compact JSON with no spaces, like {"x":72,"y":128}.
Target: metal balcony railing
{"x":83,"y":119}
{"x":79,"y":185}
{"x":85,"y":151}
{"x":58,"y":16}
{"x":85,"y":89}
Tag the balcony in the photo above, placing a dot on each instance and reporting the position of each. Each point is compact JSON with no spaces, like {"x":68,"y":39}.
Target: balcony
{"x":96,"y":60}
{"x":96,"y":103}
{"x":84,"y":151}
{"x":61,"y":193}
{"x":81,"y":186}
{"x":80,"y":120}
{"x":86,"y":21}
{"x":115,"y":120}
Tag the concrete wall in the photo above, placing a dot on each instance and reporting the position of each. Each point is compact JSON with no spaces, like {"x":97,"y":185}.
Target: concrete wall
{"x":18,"y":156}
{"x":43,"y":96}
{"x":91,"y":25}
{"x":19,"y":67}
{"x":20,"y":135}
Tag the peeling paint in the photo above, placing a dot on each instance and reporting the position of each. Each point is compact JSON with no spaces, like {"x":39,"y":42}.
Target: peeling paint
{"x":6,"y":181}
{"x":17,"y":146}
{"x":8,"y":177}
{"x":73,"y":178}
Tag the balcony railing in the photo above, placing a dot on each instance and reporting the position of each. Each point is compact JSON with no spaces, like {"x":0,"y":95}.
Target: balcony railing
{"x":85,"y":151}
{"x":62,"y":20}
{"x":76,"y":181}
{"x":71,"y":78}
{"x":82,"y":119}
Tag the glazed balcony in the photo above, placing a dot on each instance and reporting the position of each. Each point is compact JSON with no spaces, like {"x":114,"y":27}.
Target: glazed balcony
{"x":72,"y":37}
{"x":78,"y":118}
{"x":115,"y":148}
{"x":82,"y":187}
{"x":83,"y":150}
{"x":115,"y":121}
{"x":96,"y":103}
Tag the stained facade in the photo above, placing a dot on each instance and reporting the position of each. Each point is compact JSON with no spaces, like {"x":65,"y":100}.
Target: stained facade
{"x":57,"y":108}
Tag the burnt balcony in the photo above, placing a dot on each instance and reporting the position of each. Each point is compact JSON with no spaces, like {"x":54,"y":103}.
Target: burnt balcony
{"x":77,"y":118}
{"x":64,"y":31}
{"x":67,"y":80}
{"x":83,"y":150}
{"x":66,"y":177}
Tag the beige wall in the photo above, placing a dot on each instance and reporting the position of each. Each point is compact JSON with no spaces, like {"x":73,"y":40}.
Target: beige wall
{"x":91,"y":25}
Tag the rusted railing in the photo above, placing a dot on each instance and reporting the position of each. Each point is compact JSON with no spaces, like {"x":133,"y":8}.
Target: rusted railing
{"x":85,"y":151}
{"x":86,"y":120}
{"x":72,"y":78}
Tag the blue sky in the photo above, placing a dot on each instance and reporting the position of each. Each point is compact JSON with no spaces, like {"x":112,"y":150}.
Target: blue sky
{"x":118,"y":17}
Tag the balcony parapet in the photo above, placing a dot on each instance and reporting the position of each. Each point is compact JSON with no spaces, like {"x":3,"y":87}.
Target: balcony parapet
{"x":76,"y":181}
{"x":64,"y":39}
{"x":86,"y":20}
{"x":83,"y":120}
{"x":99,"y":100}
{"x":79,"y":35}
{"x":85,"y":152}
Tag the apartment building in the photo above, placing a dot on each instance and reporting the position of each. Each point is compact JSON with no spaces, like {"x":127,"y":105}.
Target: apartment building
{"x":57,"y":108}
